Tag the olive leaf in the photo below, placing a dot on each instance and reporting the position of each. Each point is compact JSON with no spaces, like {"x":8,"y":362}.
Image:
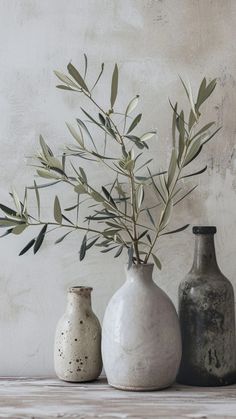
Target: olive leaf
{"x":99,"y":76}
{"x":201,"y":93}
{"x":132,"y":105}
{"x":147,"y":135}
{"x":174,"y":123}
{"x":108,"y":196}
{"x":83,"y":248}
{"x":150,"y":217}
{"x":140,"y":196}
{"x":16,"y":201}
{"x":114,"y":86}
{"x":6,"y":233}
{"x":176,"y":231}
{"x":181,"y":129}
{"x":83,"y":126}
{"x":190,"y":98}
{"x":156,"y":189}
{"x":76,"y":136}
{"x":85,"y":65}
{"x":205,"y":91}
{"x":88,"y":246}
{"x":119,"y":251}
{"x":135,"y":122}
{"x":7,"y":210}
{"x":37,"y":198}
{"x":62,"y":237}
{"x":199,"y":172}
{"x":66,"y":219}
{"x":6,"y":222}
{"x":173,"y":166}
{"x":157,"y":261}
{"x":62,"y":87}
{"x":77,"y":77}
{"x":84,"y":177}
{"x":203,"y":129}
{"x":185,"y":195}
{"x":57,"y":211}
{"x":47,"y":174}
{"x":166,"y":214}
{"x":40,"y":239}
{"x":91,"y":118}
{"x":19,"y":229}
{"x":65,"y":79}
{"x":142,"y":234}
{"x":193,"y":150}
{"x":109,"y":249}
{"x":45,"y":149}
{"x":27,"y":247}
{"x":211,"y":136}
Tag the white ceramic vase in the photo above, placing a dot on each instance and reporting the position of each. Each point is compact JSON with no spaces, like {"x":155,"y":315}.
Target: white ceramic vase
{"x":141,"y":341}
{"x":77,"y":349}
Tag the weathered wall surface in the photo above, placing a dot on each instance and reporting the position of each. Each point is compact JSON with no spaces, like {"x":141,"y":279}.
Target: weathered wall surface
{"x":152,"y":41}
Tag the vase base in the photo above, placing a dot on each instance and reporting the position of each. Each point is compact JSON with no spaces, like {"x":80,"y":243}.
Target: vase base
{"x":131,"y":388}
{"x":88,"y":380}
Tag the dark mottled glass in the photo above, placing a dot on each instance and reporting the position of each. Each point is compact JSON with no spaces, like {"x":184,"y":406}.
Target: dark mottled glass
{"x":207,"y":318}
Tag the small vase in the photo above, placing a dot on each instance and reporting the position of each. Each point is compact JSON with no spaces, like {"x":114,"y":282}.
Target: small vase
{"x":207,"y":318}
{"x":77,"y":350}
{"x":141,"y":342}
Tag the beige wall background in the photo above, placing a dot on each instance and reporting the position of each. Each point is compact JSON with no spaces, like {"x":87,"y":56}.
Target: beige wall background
{"x":152,"y":41}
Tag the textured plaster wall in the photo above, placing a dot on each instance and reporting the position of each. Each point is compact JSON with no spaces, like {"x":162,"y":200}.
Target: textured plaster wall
{"x":152,"y":41}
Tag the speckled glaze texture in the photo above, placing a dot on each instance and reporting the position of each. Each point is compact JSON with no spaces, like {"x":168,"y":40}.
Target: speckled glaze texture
{"x":141,"y":344}
{"x":207,"y":319}
{"x":77,"y":351}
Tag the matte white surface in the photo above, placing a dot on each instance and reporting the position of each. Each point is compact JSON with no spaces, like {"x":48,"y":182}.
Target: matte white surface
{"x":141,"y":341}
{"x":152,"y":41}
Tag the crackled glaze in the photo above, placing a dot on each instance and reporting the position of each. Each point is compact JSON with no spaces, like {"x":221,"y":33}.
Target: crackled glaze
{"x":141,"y":343}
{"x":77,"y":351}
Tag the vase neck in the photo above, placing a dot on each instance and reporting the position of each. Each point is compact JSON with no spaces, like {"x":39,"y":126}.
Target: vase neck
{"x":140,"y":273}
{"x":79,"y":299}
{"x":204,"y":254}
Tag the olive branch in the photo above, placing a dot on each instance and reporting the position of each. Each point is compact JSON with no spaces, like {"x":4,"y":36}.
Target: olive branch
{"x":119,"y":217}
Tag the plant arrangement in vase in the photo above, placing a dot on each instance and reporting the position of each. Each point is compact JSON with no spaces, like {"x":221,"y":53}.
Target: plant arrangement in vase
{"x":119,"y":218}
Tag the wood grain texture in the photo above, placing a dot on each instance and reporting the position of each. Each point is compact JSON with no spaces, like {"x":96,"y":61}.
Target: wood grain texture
{"x":51,"y":398}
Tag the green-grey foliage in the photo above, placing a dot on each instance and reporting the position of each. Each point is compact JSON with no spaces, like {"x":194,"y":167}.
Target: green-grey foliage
{"x":119,"y":217}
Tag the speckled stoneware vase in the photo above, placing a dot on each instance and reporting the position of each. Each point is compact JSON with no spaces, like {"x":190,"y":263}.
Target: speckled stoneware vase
{"x":77,"y":351}
{"x":207,"y":318}
{"x":141,"y":344}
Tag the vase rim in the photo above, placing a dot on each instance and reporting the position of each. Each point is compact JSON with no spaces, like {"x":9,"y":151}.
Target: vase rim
{"x":79,"y":289}
{"x":204,"y":229}
{"x":140,"y":266}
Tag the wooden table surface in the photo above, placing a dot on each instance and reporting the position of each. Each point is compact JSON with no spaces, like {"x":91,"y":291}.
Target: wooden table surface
{"x":52,"y":398}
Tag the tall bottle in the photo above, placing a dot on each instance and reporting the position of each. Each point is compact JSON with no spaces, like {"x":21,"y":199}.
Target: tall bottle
{"x":207,"y":318}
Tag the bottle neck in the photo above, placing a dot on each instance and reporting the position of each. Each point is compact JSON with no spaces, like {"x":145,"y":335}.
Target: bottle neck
{"x":79,"y":302}
{"x":140,"y":273}
{"x":204,"y":254}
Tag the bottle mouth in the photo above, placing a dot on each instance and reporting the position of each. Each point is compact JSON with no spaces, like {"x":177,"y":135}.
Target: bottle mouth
{"x":80,"y":289}
{"x":204,"y":230}
{"x":140,"y":266}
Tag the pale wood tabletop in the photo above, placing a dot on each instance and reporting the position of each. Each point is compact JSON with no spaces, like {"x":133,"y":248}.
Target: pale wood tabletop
{"x":52,"y":398}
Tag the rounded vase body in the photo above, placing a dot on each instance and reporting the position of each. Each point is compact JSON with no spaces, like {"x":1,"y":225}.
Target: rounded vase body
{"x":207,"y":319}
{"x":141,"y":343}
{"x":77,"y":349}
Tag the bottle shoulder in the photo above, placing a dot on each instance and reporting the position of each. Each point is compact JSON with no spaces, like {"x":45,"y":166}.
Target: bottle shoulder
{"x":207,"y":283}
